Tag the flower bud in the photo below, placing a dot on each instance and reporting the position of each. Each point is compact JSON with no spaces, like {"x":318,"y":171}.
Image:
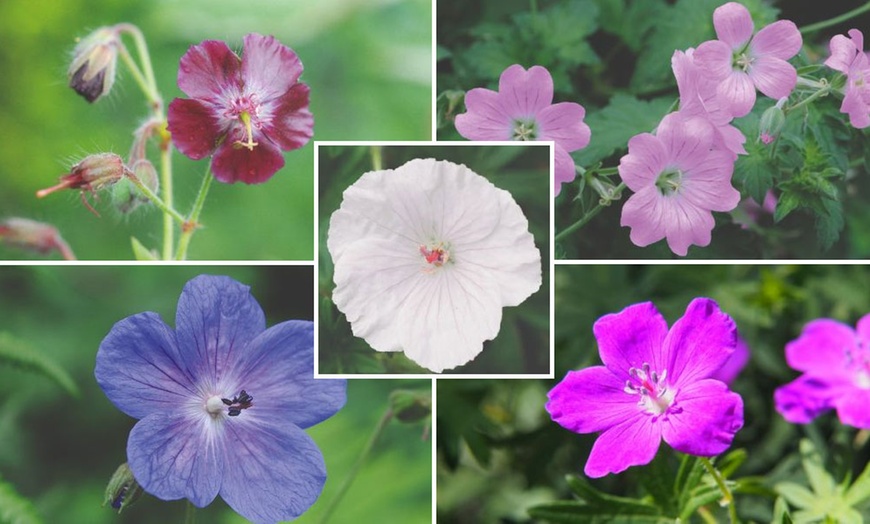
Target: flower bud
{"x":35,"y":236}
{"x":410,"y":406}
{"x":126,"y":197}
{"x":122,"y":489}
{"x":772,"y":122}
{"x":92,"y":71}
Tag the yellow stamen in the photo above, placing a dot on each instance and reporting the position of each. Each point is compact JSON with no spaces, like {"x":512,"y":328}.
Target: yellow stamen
{"x":245,"y":117}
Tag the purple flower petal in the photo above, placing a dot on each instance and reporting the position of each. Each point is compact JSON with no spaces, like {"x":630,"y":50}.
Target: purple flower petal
{"x":216,"y":318}
{"x":291,"y":125}
{"x":685,"y":225}
{"x":737,"y":92}
{"x":269,"y":68}
{"x":821,"y":348}
{"x":857,"y":106}
{"x":852,"y":408}
{"x":207,"y":69}
{"x":774,"y":77}
{"x":710,"y":416}
{"x":590,"y":400}
{"x":563,"y":123}
{"x":175,"y":454}
{"x":699,"y":343}
{"x":714,"y":57}
{"x":733,"y":24}
{"x":564,"y":170}
{"x":278,"y":367}
{"x":632,"y":443}
{"x":843,"y":52}
{"x":139,"y":367}
{"x":644,"y":162}
{"x":735,"y":363}
{"x":232,"y":164}
{"x":194,"y":128}
{"x":781,"y":39}
{"x":707,"y":184}
{"x":687,"y":140}
{"x":523,"y":93}
{"x":486,"y":118}
{"x":630,"y":338}
{"x":803,"y":399}
{"x":271,"y":472}
{"x":644,"y":213}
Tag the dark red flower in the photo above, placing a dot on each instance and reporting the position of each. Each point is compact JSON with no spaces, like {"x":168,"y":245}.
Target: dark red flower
{"x":243,"y":111}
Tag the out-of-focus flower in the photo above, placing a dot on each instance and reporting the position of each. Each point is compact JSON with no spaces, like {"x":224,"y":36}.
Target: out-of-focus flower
{"x":522,"y":109}
{"x":221,"y":401}
{"x":35,"y":236}
{"x":678,"y":179}
{"x":835,"y":361}
{"x":92,"y":174}
{"x":426,"y":256}
{"x":92,"y":71}
{"x":655,"y":384}
{"x":847,"y":56}
{"x":735,"y":363}
{"x":741,"y":62}
{"x":748,"y":212}
{"x":244,"y":111}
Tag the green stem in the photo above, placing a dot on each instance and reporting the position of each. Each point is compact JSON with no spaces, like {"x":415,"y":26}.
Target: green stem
{"x":607,"y":171}
{"x":820,"y":93}
{"x":192,"y":222}
{"x":142,"y":49}
{"x":586,"y":218}
{"x":189,"y":513}
{"x":150,"y":195}
{"x":166,"y":189}
{"x":134,"y":69}
{"x":729,"y":497}
{"x":348,"y":479}
{"x":377,"y":158}
{"x":812,"y":28}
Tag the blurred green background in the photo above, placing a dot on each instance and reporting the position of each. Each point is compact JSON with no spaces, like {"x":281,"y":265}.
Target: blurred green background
{"x":60,"y":451}
{"x":523,"y":171}
{"x":499,"y":453}
{"x":368,"y":65}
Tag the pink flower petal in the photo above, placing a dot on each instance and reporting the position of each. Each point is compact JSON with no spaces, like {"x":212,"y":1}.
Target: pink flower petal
{"x":644,"y":162}
{"x":729,"y":138}
{"x":780,"y":39}
{"x":291,"y":125}
{"x":710,"y":416}
{"x":486,"y":119}
{"x":686,"y":225}
{"x":686,"y":140}
{"x":194,"y":127}
{"x":733,"y":24}
{"x":821,"y":348}
{"x":632,"y":443}
{"x":591,"y":400}
{"x":631,"y":338}
{"x":233,"y":163}
{"x":269,"y":68}
{"x":857,"y":38}
{"x":857,"y":107}
{"x":644,"y":213}
{"x":714,"y":57}
{"x":524,"y":93}
{"x":737,"y":93}
{"x":209,"y":69}
{"x":852,"y":408}
{"x":564,"y":170}
{"x":707,"y":183}
{"x":699,"y":343}
{"x":563,"y":123}
{"x":774,"y":77}
{"x":843,"y":52}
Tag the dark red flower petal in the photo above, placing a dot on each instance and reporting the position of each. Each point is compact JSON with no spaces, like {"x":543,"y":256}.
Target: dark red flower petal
{"x":292,"y":124}
{"x":194,"y":127}
{"x":234,"y":163}
{"x":269,"y":68}
{"x":207,"y":69}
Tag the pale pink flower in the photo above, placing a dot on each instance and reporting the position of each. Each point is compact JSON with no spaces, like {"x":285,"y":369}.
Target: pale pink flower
{"x":741,"y":62}
{"x":523,"y":109}
{"x":678,"y":179}
{"x":847,"y":56}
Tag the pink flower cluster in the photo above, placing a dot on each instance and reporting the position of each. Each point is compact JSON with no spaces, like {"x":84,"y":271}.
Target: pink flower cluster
{"x":847,"y":56}
{"x":682,"y":173}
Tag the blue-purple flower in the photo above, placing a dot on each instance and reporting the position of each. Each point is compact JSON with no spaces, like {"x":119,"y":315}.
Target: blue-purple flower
{"x":655,"y":384}
{"x":222,"y":402}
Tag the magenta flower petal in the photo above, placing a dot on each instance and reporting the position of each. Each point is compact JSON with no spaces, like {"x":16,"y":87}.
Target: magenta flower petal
{"x":803,"y":399}
{"x":819,"y":348}
{"x":774,"y":77}
{"x":238,"y":164}
{"x":631,"y":337}
{"x":207,"y":69}
{"x":852,"y":408}
{"x":634,"y":442}
{"x":194,"y":128}
{"x":735,"y":363}
{"x":269,"y":68}
{"x":738,"y":93}
{"x":710,"y":416}
{"x":781,"y":39}
{"x":525,"y":93}
{"x":590,"y":400}
{"x":564,"y":169}
{"x":292,"y":125}
{"x":563,"y":123}
{"x":733,"y":24}
{"x":699,"y":343}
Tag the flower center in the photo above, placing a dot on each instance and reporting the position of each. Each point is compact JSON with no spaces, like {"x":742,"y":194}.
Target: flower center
{"x":859,"y":364}
{"x":246,"y":110}
{"x":655,"y":397}
{"x":742,"y":61}
{"x":216,"y":405}
{"x":245,"y":117}
{"x":669,"y":181}
{"x":525,"y":130}
{"x":435,"y":256}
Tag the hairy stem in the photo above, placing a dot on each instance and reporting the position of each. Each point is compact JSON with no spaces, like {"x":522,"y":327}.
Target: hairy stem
{"x":166,"y":189}
{"x":587,"y":217}
{"x":192,"y":222}
{"x":156,"y":200}
{"x":812,"y":28}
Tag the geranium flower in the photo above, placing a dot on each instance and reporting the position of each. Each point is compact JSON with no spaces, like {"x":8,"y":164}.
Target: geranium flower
{"x":244,"y":111}
{"x":835,"y":361}
{"x":222,"y":402}
{"x":741,"y":62}
{"x":426,"y":256}
{"x":654,"y":385}
{"x":522,"y":109}
{"x":678,"y":180}
{"x":847,"y":56}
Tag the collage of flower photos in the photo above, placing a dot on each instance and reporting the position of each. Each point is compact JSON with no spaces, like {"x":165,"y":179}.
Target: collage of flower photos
{"x":435,"y":261}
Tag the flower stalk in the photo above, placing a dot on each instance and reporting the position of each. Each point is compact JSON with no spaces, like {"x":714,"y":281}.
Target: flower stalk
{"x":818,"y":26}
{"x":723,"y":487}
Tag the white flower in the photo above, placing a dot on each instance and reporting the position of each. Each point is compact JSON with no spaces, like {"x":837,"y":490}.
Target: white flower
{"x":426,"y":256}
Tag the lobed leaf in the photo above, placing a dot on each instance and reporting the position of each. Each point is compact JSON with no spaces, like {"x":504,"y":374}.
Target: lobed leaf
{"x":19,"y":354}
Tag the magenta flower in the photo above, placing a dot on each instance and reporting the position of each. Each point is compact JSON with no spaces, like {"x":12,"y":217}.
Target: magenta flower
{"x":655,"y":384}
{"x":221,"y":401}
{"x":847,"y":56}
{"x":678,"y":179}
{"x":735,"y":363}
{"x":522,"y":109}
{"x":835,"y":361}
{"x":741,"y":62}
{"x":244,"y":111}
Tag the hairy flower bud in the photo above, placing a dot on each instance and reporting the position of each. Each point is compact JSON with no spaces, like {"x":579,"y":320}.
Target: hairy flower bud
{"x":122,"y":489}
{"x":35,"y":236}
{"x":92,"y":71}
{"x":91,"y":174}
{"x":772,"y":122}
{"x":126,"y":197}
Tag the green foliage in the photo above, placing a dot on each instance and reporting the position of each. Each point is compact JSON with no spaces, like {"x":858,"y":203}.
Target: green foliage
{"x":18,"y":353}
{"x":15,"y":509}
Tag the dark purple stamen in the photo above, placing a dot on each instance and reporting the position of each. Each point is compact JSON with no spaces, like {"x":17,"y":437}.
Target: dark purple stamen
{"x":238,"y":403}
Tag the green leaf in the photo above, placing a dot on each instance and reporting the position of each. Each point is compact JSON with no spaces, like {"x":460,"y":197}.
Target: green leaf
{"x":576,"y":513}
{"x":612,"y":127}
{"x":820,"y":480}
{"x":787,"y":203}
{"x":15,"y":509}
{"x":141,"y":252}
{"x":755,"y":172}
{"x":651,"y":479}
{"x":593,"y":497}
{"x":728,"y":464}
{"x":19,"y":354}
{"x":859,"y":491}
{"x":700,"y":496}
{"x":688,"y":478}
{"x":780,"y":512}
{"x":630,"y":22}
{"x":796,"y":495}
